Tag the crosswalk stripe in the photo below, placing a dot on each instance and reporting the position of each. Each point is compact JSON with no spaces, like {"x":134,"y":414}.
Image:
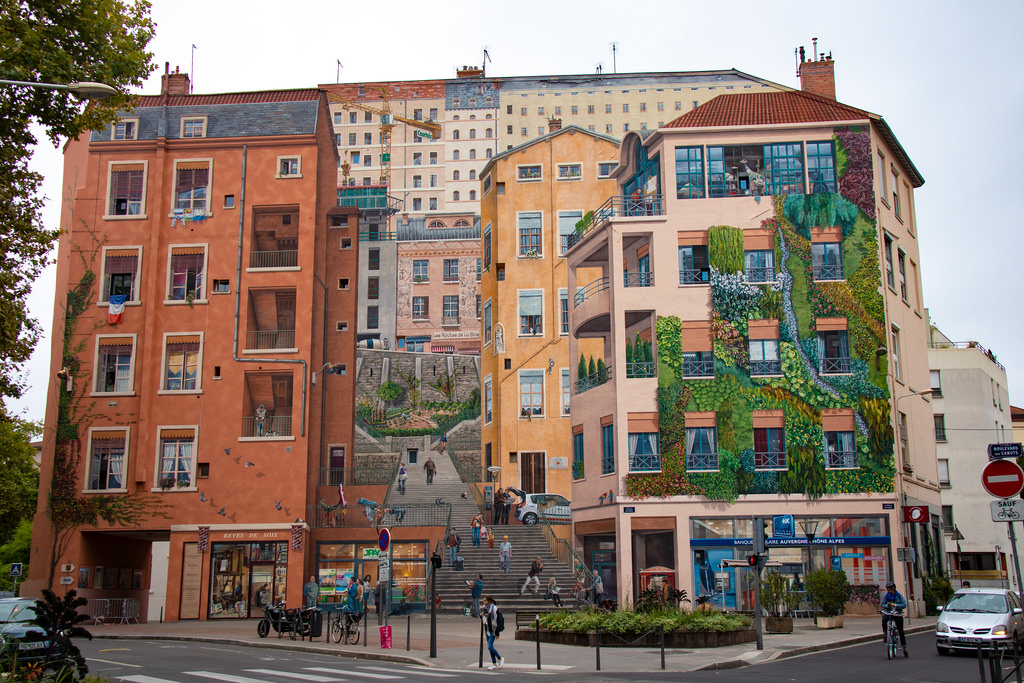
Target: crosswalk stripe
{"x":421,"y":671}
{"x":225,"y":678}
{"x":312,"y":678}
{"x":351,"y":672}
{"x":143,"y":679}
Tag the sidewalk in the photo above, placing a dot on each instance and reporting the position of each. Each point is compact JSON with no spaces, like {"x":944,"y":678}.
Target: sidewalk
{"x":458,"y":641}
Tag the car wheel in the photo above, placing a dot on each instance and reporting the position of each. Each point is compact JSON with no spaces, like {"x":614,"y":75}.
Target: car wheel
{"x":944,"y":651}
{"x":529,"y":518}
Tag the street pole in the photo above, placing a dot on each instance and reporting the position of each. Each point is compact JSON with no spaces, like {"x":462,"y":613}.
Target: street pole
{"x":1016,"y":558}
{"x":435,"y":562}
{"x":758,"y":550}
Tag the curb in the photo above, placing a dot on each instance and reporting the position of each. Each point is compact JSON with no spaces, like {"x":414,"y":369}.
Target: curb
{"x":776,"y":655}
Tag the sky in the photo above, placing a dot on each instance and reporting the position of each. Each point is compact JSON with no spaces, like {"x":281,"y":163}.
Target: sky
{"x":944,"y":75}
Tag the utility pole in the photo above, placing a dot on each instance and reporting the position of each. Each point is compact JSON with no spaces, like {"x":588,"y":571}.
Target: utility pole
{"x":756,"y":568}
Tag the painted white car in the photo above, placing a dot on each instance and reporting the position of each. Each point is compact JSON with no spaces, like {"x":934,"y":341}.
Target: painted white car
{"x":980,"y":616}
{"x":551,"y":506}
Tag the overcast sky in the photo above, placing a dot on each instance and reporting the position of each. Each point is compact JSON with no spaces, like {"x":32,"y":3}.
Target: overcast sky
{"x":945,"y":75}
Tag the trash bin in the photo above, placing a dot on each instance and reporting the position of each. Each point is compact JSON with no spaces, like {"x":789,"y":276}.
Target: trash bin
{"x":316,"y":624}
{"x":460,"y":563}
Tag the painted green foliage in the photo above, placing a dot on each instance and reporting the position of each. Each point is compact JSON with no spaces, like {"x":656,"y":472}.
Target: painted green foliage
{"x":800,"y":392}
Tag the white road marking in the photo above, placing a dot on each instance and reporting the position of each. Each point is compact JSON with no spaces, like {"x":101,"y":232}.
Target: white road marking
{"x":225,"y":678}
{"x":313,"y":678}
{"x":429,"y":673}
{"x":144,"y":679}
{"x":350,"y":672}
{"x":108,"y":661}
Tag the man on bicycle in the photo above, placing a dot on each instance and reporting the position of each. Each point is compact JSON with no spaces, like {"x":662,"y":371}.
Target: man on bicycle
{"x":892,"y":601}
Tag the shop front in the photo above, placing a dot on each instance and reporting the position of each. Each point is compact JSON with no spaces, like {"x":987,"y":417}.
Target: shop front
{"x":337,"y":562}
{"x":859,"y":546}
{"x":246,"y":577}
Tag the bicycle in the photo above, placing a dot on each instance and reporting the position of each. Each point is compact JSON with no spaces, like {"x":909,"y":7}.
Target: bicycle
{"x":892,"y":634}
{"x":346,"y":627}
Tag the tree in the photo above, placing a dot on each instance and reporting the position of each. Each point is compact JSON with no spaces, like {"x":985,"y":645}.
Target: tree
{"x":19,"y":479}
{"x":52,"y":41}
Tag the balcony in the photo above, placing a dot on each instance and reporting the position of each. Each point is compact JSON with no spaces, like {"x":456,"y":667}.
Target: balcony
{"x":595,"y":380}
{"x":648,"y":462}
{"x":274,"y":259}
{"x":831,"y":272}
{"x":365,"y":514}
{"x":638,"y":279}
{"x":639,"y":369}
{"x":702,"y":367}
{"x":591,"y":289}
{"x":770,"y":460}
{"x":370,"y":235}
{"x":270,"y":320}
{"x":835,"y":366}
{"x":355,"y":476}
{"x":698,"y":462}
{"x":369,"y":198}
{"x":270,"y":339}
{"x":450,"y":321}
{"x":841,"y":459}
{"x":694,"y":276}
{"x":275,"y":425}
{"x":616,"y":207}
{"x":765,"y":368}
{"x":761,"y":274}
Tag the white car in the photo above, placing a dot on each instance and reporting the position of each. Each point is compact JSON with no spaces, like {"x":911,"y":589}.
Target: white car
{"x":976,"y":616}
{"x":551,"y":506}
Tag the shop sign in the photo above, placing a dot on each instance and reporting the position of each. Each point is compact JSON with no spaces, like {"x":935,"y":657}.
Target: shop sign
{"x":852,"y":556}
{"x":371,"y":553}
{"x":782,"y":526}
{"x":874,"y":558}
{"x":782,"y":542}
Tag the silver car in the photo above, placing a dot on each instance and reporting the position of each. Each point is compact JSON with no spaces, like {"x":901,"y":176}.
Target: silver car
{"x":979,"y":616}
{"x":551,"y":506}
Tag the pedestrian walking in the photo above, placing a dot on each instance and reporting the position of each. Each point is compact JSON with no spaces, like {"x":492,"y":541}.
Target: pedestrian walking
{"x":430,"y":467}
{"x":535,"y":569}
{"x":453,"y":541}
{"x":491,"y":628}
{"x":505,"y":554}
{"x":476,"y":593}
{"x":310,"y":592}
{"x":402,"y":476}
{"x":444,"y":442}
{"x":478,"y":521}
{"x":368,"y":593}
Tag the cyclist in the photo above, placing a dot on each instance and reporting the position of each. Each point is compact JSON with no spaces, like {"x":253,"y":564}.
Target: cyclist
{"x":894,"y":602}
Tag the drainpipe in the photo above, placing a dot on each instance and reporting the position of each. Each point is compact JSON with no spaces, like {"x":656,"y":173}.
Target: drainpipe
{"x":323,"y":387}
{"x":238,"y":302}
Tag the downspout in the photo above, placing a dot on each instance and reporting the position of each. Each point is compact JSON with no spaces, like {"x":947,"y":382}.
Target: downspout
{"x":323,"y":385}
{"x":238,"y":297}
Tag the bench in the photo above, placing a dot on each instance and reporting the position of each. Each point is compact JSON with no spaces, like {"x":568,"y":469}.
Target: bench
{"x":527,"y":618}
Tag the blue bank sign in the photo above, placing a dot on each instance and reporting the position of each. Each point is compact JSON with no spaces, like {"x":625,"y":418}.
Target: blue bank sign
{"x":782,"y":526}
{"x":776,"y":542}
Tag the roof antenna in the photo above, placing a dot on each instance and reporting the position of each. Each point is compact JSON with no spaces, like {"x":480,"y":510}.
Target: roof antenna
{"x":615,"y":65}
{"x":487,"y":58}
{"x":192,"y":84}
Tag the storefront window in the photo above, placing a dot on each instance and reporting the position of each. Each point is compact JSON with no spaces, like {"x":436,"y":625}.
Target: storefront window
{"x":338,"y":561}
{"x":859,"y":526}
{"x":246,"y":577}
{"x":712,"y":528}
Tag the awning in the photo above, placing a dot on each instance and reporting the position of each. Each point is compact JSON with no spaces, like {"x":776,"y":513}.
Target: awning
{"x":442,"y":348}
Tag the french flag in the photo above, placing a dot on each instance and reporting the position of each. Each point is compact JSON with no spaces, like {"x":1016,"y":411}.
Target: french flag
{"x":115,"y":312}
{"x":341,"y":495}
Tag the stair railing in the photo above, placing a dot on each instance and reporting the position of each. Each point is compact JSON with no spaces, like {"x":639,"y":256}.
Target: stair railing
{"x":560,"y":548}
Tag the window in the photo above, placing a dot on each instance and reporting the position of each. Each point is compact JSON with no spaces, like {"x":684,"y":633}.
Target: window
{"x":896,"y":193}
{"x":373,"y":288}
{"x":221,"y":287}
{"x":479,"y":270}
{"x":833,"y":352}
{"x":372,"y":317}
{"x":679,"y":106}
{"x":417,"y":204}
{"x":488,"y":400}
{"x":784,"y":168}
{"x":840,"y":450}
{"x":450,"y":309}
{"x":352,"y":139}
{"x":114,"y":364}
{"x":489,"y":133}
{"x":890,"y":275}
{"x":570,"y":171}
{"x":947,"y":524}
{"x":590,"y":109}
{"x":488,"y":152}
{"x":352,"y":117}
{"x":940,"y":427}
{"x":827,"y":260}
{"x":528,"y":172}
{"x":698,"y":364}
{"x":487,"y":322}
{"x":181,"y":363}
{"x":694,"y":268}
{"x":175,"y":459}
{"x":455,"y":134}
{"x":472,"y":174}
{"x":565,"y":391}
{"x":185,"y":273}
{"x":607,"y":109}
{"x":882,"y":175}
{"x":607,"y":449}
{"x":531,"y":312}
{"x":420,"y":270}
{"x":193,"y":127}
{"x":522,"y":132}
{"x":472,"y":154}
{"x":625,"y":128}
{"x":755,"y":170}
{"x":522,"y":111}
{"x":574,"y":109}
{"x":367,"y":160}
{"x":936,"y":383}
{"x":487,"y":245}
{"x":821,"y":167}
{"x":567,"y":221}
{"x":367,"y":138}
{"x":127,"y":189}
{"x":472,"y":195}
{"x":529,"y":233}
{"x":604,"y":169}
{"x":417,"y":158}
{"x":563,"y":311}
{"x":689,"y":173}
{"x":472,"y":133}
{"x":759,"y":265}
{"x":478,"y":298}
{"x":456,"y":196}
{"x":356,"y":156}
{"x":944,"y":481}
{"x":901,"y":260}
{"x":417,"y":114}
{"x":433,"y":113}
{"x":433,"y":158}
{"x":531,"y":393}
{"x":456,"y":175}
{"x":644,"y":452}
{"x":106,"y":459}
{"x":124,"y":129}
{"x":540,"y":111}
{"x":451,"y":270}
{"x":643,"y":106}
{"x":433,"y":180}
{"x":901,"y":423}
{"x":894,"y":354}
{"x":373,"y":259}
{"x":417,"y":181}
{"x":120,"y":273}
{"x":229,"y":201}
{"x":661,"y":106}
{"x":701,"y":448}
{"x":577,"y":456}
{"x":508,"y":129}
{"x":433,"y":203}
{"x":420,"y":307}
{"x":764,"y":358}
{"x":769,"y":448}
{"x":289,"y":167}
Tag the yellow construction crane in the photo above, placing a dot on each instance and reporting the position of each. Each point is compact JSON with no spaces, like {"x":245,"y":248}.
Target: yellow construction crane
{"x":387,"y":123}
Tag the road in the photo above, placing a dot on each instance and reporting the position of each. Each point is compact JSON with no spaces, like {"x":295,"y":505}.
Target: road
{"x":139,"y":661}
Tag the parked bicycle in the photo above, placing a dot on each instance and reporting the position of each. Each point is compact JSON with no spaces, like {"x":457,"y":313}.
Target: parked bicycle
{"x":345,"y":626}
{"x":294,"y":622}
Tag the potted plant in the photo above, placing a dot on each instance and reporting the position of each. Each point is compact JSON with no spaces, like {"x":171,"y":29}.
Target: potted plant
{"x":779,"y":602}
{"x":830,"y":590}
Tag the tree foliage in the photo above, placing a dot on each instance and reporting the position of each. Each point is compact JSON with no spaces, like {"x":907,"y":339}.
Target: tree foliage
{"x":52,"y":41}
{"x":19,"y":479}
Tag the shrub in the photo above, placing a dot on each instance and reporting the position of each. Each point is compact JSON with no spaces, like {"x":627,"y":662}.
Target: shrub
{"x":389,"y":391}
{"x":829,"y":589}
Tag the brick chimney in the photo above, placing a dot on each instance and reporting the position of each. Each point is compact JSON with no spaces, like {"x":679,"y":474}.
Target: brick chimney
{"x":818,"y":77}
{"x":173,"y":83}
{"x":469,"y":72}
{"x":554,"y":124}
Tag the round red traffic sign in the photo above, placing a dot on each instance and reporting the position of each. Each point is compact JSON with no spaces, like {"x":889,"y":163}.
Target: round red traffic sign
{"x":384,"y":539}
{"x":1002,"y":478}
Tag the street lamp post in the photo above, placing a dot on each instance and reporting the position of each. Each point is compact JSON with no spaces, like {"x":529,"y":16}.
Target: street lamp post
{"x":810,"y":531}
{"x":88,"y":90}
{"x":957,"y":536}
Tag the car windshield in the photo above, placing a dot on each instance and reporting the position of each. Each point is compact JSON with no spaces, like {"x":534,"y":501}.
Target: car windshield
{"x":977,"y":602}
{"x":16,"y":611}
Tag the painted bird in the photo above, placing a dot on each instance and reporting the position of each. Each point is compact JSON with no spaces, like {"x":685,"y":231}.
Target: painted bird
{"x":202,"y":497}
{"x":277,"y":504}
{"x":250,"y":464}
{"x":227,"y":451}
{"x":222,"y":512}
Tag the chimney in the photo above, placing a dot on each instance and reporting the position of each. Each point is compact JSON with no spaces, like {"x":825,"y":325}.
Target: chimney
{"x":818,"y":77}
{"x":469,"y":72}
{"x":173,"y":83}
{"x":554,"y":124}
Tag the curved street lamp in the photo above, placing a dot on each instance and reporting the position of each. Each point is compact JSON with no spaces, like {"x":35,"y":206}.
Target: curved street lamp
{"x":87,"y":90}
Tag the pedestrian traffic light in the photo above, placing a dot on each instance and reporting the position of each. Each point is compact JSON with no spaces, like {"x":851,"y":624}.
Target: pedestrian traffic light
{"x":753,"y":559}
{"x":757,"y":560}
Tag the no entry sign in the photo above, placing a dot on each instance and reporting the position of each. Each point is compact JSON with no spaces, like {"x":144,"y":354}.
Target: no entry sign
{"x":1002,"y":478}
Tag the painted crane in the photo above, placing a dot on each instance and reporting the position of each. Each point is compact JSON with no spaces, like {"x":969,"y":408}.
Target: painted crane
{"x":387,"y":123}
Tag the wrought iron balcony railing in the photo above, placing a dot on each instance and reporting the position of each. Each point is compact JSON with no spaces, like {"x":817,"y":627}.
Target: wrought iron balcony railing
{"x":274,"y":259}
{"x":763,"y":368}
{"x":835,"y":366}
{"x":270,"y":339}
{"x":639,"y":279}
{"x":277,"y":425}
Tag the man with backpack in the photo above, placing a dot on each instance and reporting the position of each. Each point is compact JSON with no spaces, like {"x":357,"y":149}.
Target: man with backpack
{"x":453,"y":541}
{"x":494,"y":624}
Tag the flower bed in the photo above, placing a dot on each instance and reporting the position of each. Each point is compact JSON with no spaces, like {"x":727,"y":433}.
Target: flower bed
{"x":619,"y":629}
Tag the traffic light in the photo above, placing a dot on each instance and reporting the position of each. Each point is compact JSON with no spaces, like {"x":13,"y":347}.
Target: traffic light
{"x":753,"y":559}
{"x":757,"y":561}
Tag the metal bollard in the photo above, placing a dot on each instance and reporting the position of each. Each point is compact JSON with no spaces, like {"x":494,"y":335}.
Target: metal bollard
{"x":538,"y":641}
{"x":981,"y":664}
{"x":481,"y":643}
{"x":408,"y":632}
{"x":597,"y":645}
{"x":661,"y":638}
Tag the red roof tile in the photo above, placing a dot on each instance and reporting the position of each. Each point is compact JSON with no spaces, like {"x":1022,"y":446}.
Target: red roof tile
{"x":301,"y":95}
{"x":766,"y":108}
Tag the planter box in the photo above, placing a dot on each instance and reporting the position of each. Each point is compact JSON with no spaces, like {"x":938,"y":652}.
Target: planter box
{"x":830,"y":622}
{"x":778,"y":624}
{"x":860,"y":609}
{"x":673,"y":639}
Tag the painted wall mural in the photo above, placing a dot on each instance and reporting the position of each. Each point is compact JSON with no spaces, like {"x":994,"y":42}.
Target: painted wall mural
{"x":804,"y":388}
